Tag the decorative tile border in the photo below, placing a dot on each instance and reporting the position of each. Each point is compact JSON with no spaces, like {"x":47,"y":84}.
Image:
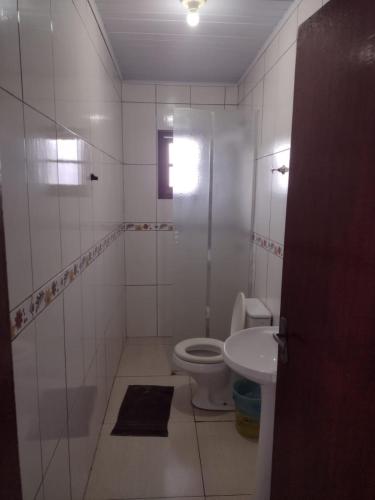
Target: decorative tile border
{"x":149,"y":226}
{"x":269,"y":245}
{"x":24,"y":314}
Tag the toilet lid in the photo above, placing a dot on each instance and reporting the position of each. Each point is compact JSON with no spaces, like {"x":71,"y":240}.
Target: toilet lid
{"x":200,"y":350}
{"x":238,"y":314}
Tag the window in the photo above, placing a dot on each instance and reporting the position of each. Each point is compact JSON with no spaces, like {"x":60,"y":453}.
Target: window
{"x":165,"y":145}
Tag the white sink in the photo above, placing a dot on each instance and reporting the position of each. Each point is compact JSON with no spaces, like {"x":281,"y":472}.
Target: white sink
{"x":252,"y":353}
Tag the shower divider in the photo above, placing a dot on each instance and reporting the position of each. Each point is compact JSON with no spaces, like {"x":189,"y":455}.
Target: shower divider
{"x":213,"y":184}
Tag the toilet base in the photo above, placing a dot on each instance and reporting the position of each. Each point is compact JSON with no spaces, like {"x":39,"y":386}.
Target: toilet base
{"x":214,"y":383}
{"x":202,"y":400}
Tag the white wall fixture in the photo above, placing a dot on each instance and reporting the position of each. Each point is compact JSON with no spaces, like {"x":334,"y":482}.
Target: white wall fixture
{"x":253,"y":354}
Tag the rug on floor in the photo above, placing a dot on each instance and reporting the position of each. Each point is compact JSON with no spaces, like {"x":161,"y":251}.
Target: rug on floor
{"x":144,"y":411}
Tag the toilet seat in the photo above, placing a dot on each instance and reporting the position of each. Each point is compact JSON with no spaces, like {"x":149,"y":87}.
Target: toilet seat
{"x":191,"y":350}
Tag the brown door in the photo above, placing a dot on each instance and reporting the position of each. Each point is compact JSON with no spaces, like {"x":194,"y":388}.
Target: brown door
{"x":324,"y":441}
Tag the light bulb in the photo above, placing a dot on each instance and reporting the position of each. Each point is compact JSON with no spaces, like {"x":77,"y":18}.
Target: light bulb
{"x":192,"y":19}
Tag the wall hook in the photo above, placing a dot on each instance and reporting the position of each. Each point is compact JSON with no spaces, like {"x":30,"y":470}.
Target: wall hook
{"x":93,"y":177}
{"x":283,"y":170}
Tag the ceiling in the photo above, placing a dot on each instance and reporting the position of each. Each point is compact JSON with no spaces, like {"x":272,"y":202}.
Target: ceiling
{"x":152,"y":41}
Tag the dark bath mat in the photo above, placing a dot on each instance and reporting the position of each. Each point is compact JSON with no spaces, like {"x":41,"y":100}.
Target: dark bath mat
{"x":144,"y":411}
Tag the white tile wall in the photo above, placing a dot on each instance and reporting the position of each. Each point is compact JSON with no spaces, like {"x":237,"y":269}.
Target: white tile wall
{"x":165,"y":312}
{"x":88,"y":317}
{"x":140,"y":193}
{"x":260,"y":257}
{"x":56,"y":483}
{"x":10,"y":71}
{"x":73,"y":322}
{"x":275,"y":268}
{"x":288,"y":35}
{"x":164,"y":211}
{"x":139,"y":133}
{"x":15,"y":201}
{"x":174,"y":94}
{"x":164,"y":115}
{"x":41,"y":152}
{"x":207,"y":95}
{"x":208,"y":107}
{"x":271,"y":54}
{"x":140,"y":257}
{"x":165,"y":242}
{"x":269,"y":86}
{"x":37,"y":55}
{"x":141,"y":306}
{"x":278,"y":197}
{"x":138,"y":93}
{"x":284,"y":103}
{"x":86,"y":222}
{"x":263,"y":195}
{"x":26,"y":392}
{"x":231,"y":95}
{"x":65,"y":124}
{"x":268,"y":123}
{"x":69,"y":176}
{"x":51,"y":378}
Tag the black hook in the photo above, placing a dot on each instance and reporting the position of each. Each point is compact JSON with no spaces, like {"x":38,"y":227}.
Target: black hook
{"x":94,"y":177}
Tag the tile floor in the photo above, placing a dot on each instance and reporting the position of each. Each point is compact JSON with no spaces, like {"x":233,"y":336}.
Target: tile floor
{"x":203,"y":457}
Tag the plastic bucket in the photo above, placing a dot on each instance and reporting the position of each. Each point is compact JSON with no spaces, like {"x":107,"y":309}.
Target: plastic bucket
{"x":247,"y":399}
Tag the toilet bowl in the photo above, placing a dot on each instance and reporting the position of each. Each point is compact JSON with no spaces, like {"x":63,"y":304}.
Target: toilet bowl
{"x":202,"y":358}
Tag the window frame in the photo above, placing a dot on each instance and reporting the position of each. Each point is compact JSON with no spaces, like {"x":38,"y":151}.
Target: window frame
{"x":165,"y":138}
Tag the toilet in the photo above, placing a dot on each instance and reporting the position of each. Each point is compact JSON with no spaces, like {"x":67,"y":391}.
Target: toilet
{"x":202,"y":358}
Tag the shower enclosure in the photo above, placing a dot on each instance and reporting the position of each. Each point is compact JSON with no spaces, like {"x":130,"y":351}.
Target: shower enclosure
{"x":212,"y":177}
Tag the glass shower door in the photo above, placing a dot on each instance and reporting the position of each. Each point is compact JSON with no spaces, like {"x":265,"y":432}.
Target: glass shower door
{"x":190,"y":176}
{"x":213,"y":170}
{"x":231,"y":219}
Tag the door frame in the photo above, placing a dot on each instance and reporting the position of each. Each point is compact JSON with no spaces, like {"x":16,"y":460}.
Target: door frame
{"x":10,"y":475}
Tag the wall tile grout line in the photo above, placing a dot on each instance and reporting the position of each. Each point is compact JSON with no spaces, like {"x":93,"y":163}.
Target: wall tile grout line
{"x":95,"y":48}
{"x":268,"y":71}
{"x":196,"y":436}
{"x":58,"y":124}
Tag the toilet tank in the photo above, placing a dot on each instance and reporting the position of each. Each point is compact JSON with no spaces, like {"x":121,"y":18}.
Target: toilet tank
{"x":257,"y":313}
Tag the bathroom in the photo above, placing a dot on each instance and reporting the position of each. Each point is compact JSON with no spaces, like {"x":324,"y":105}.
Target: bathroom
{"x":111,"y":262}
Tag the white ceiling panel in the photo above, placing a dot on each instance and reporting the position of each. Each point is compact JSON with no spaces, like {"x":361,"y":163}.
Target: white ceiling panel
{"x":152,"y":41}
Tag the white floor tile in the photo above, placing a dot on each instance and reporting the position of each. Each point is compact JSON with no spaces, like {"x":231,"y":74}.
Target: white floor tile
{"x":144,"y":467}
{"x":144,"y":360}
{"x":213,"y":416}
{"x":228,"y":459}
{"x":181,"y":409}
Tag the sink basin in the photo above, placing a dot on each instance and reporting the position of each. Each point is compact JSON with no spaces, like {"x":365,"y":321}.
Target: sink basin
{"x":252,"y":353}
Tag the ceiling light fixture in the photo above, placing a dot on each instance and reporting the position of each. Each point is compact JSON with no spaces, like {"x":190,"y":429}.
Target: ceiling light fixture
{"x":193,"y":6}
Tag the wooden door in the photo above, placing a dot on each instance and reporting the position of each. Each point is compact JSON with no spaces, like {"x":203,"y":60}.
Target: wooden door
{"x":324,"y":441}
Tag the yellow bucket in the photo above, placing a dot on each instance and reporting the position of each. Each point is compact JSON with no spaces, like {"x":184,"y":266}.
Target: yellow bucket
{"x":246,"y":426}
